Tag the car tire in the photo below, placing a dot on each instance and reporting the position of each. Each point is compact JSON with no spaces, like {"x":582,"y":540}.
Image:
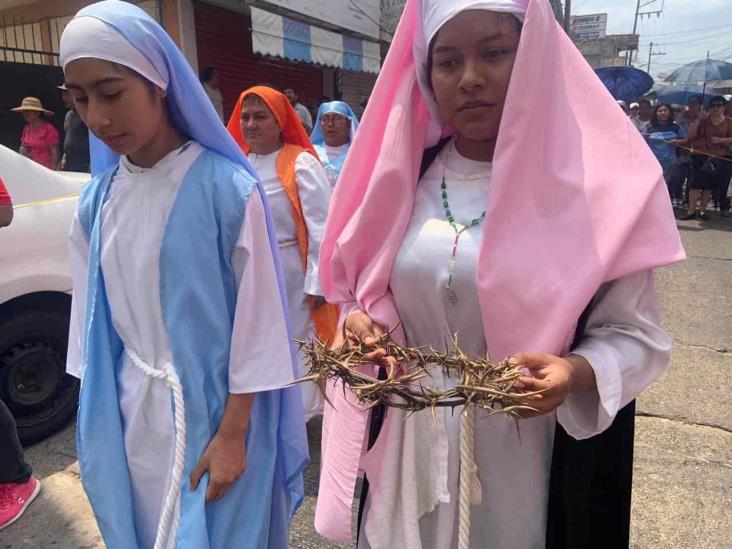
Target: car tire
{"x":33,"y":380}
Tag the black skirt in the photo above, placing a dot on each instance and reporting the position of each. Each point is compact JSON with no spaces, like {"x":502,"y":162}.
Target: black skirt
{"x":702,"y":181}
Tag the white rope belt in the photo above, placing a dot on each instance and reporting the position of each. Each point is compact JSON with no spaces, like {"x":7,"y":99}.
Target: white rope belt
{"x":287,"y":243}
{"x":470,"y":490}
{"x":168,"y":518}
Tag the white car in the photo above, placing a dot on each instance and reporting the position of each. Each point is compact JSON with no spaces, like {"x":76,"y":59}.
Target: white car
{"x":35,"y":295}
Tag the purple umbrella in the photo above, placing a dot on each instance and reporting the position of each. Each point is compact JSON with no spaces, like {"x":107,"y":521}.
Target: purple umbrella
{"x":625,"y":83}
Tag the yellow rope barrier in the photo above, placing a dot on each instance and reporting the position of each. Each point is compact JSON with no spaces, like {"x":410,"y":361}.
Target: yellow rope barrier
{"x":693,"y":151}
{"x":46,"y":201}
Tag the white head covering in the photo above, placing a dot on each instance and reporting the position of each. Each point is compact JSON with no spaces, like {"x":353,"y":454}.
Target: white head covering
{"x":438,"y":12}
{"x":435,"y":13}
{"x":89,"y":37}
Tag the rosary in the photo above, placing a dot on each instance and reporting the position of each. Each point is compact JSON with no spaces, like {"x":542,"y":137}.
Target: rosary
{"x":451,"y":295}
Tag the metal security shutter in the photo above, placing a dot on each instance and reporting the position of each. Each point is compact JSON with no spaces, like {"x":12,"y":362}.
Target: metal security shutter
{"x":356,"y":87}
{"x":224,"y":41}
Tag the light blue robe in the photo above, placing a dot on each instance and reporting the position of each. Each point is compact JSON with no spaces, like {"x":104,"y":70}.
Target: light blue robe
{"x":198,"y":299}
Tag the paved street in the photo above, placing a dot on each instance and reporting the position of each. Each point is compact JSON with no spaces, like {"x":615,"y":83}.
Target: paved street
{"x":683,"y":466}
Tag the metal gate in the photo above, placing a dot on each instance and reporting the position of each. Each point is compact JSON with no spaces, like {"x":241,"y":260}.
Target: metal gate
{"x":35,"y":41}
{"x":29,"y":66}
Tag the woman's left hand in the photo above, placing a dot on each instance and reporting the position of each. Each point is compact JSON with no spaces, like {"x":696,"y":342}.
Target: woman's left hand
{"x":225,"y":460}
{"x":557,"y":377}
{"x":714,"y":140}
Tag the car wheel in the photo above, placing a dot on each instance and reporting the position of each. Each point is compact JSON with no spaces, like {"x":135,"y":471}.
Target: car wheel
{"x":33,"y":380}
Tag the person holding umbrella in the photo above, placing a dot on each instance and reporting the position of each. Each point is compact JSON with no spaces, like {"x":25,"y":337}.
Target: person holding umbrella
{"x":710,"y":135}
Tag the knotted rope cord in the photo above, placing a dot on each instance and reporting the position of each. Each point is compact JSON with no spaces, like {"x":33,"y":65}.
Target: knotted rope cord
{"x":470,"y":489}
{"x":168,"y":518}
{"x":696,"y":151}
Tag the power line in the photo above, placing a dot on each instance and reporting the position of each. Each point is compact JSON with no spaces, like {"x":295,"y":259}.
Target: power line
{"x":689,"y":31}
{"x":692,"y":40}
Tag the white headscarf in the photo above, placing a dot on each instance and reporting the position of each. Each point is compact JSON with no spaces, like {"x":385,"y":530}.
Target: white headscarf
{"x":89,"y":37}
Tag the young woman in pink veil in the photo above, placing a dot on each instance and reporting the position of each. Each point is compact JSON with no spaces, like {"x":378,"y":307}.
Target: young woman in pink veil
{"x":487,"y":197}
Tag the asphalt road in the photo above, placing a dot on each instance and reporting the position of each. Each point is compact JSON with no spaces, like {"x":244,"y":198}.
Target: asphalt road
{"x":683,"y":468}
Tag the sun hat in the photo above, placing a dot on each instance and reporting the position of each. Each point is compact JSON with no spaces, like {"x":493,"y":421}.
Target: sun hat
{"x":31,"y":104}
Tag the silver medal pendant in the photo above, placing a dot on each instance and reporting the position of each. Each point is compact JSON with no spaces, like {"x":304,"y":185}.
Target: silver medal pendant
{"x":451,"y":295}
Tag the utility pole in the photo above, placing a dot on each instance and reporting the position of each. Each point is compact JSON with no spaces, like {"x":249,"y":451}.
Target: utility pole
{"x":558,"y":12}
{"x":567,"y":14}
{"x":639,"y":13}
{"x":650,"y":54}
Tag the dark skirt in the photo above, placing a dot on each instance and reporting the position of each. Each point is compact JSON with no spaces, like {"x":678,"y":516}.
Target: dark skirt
{"x":702,"y":181}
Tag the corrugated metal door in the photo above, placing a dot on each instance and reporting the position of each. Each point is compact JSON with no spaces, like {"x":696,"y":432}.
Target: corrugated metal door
{"x":356,"y":88}
{"x":224,"y":41}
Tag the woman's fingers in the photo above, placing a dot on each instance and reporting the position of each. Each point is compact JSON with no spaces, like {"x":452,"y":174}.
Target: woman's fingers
{"x":217,"y":490}
{"x":360,"y":327}
{"x":213,"y":491}
{"x":532,"y":361}
{"x":198,"y":471}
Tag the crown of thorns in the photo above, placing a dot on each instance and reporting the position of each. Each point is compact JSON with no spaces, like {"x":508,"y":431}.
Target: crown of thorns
{"x":483,"y":383}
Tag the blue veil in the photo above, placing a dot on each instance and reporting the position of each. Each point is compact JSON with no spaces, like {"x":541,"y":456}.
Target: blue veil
{"x":333,"y":166}
{"x":338,"y":107}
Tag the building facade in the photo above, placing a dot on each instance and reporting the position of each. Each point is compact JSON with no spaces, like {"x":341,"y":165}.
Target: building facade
{"x":318,"y":47}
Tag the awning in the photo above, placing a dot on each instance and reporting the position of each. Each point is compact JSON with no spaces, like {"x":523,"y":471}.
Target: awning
{"x":280,"y":36}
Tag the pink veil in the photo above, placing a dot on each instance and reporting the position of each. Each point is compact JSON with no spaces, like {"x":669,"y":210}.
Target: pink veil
{"x":577,"y":199}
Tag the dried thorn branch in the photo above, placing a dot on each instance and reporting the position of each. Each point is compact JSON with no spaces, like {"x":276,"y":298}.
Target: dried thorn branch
{"x":482,"y":383}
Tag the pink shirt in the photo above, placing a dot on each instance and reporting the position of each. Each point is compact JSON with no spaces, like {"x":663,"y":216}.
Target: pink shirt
{"x":38,"y":141}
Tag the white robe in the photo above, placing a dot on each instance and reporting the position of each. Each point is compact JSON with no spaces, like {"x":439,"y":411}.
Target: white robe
{"x":314,"y":191}
{"x":134,"y":219}
{"x":418,"y":484}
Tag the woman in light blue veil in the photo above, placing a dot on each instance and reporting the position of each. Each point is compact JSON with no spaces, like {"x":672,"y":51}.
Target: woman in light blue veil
{"x":332,"y":136}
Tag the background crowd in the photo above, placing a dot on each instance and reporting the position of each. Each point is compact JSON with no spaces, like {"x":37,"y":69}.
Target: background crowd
{"x":693,"y":145}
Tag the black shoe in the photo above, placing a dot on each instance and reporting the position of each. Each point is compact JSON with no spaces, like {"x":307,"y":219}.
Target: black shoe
{"x":688,"y":216}
{"x":702,"y":215}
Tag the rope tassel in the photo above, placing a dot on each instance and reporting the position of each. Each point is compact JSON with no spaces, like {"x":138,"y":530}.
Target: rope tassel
{"x":470,"y":489}
{"x":168,"y":524}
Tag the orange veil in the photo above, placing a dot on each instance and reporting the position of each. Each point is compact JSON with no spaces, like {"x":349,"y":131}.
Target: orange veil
{"x":296,"y":142}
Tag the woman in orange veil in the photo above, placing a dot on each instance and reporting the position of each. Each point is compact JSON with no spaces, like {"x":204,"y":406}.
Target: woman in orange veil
{"x":269,"y":132}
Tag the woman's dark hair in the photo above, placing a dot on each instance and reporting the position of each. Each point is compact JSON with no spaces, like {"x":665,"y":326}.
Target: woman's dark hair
{"x":695,"y":99}
{"x":654,"y":116}
{"x":718,"y":99}
{"x":206,"y":74}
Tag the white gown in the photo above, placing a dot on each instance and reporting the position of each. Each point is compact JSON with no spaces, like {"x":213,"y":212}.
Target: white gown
{"x":134,"y":218}
{"x":314,"y":191}
{"x":418,"y":484}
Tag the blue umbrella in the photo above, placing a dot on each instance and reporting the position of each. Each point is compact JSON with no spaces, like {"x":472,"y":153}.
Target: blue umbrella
{"x":681,"y":93}
{"x":625,"y":83}
{"x":705,"y":70}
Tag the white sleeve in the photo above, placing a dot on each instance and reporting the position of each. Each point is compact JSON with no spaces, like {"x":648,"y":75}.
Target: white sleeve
{"x":626,"y":348}
{"x":79,"y":262}
{"x":260,"y":358}
{"x":307,"y":118}
{"x":314,"y":190}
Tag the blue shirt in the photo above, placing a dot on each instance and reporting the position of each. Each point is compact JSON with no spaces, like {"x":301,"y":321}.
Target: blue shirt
{"x":657,"y":139}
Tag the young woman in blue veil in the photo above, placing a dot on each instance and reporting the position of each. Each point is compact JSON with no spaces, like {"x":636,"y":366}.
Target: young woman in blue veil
{"x":186,"y":437}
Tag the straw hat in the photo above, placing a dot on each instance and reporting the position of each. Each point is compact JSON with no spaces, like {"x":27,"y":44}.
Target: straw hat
{"x":31,"y":104}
